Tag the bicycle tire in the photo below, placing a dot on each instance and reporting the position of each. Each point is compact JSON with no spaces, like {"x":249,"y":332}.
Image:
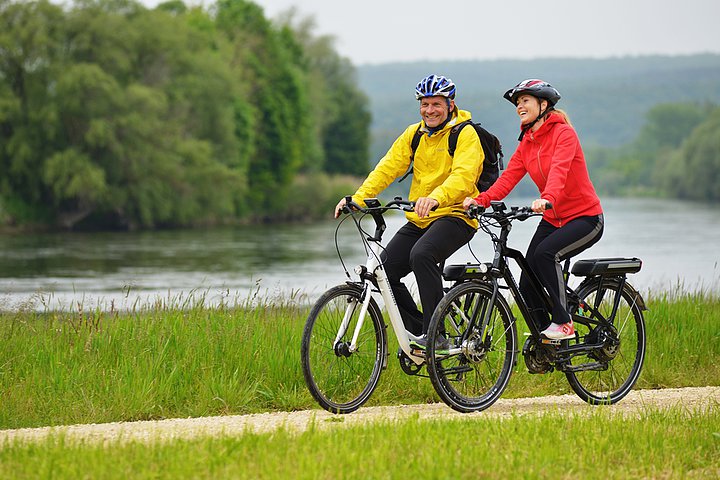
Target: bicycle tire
{"x":473,"y":379}
{"x":339,"y":380}
{"x":621,"y":363}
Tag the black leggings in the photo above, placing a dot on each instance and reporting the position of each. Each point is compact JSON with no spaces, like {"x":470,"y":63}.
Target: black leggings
{"x":418,"y":250}
{"x":548,"y":247}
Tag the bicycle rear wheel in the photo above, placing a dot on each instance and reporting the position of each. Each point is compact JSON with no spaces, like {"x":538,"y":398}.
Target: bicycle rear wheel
{"x":472,"y":373}
{"x":612,"y":370}
{"x":339,"y":379}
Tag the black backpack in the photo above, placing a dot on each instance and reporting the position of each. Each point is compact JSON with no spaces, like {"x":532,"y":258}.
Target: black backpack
{"x":491,"y":148}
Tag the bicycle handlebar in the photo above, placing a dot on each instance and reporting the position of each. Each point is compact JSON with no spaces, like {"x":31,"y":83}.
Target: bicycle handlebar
{"x":376,"y":210}
{"x":373,"y":205}
{"x":499,"y":212}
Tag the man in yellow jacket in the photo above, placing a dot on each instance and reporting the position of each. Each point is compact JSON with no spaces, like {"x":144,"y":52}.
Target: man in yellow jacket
{"x":438,"y":226}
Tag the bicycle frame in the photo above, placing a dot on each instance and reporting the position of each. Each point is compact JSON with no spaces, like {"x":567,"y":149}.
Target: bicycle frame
{"x":501,"y":269}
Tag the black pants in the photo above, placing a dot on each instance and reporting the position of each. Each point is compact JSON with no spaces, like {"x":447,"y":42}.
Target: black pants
{"x":418,"y":250}
{"x":549,"y":246}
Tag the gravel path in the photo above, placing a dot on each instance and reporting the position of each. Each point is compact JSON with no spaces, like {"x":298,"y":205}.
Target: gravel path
{"x":163,"y":430}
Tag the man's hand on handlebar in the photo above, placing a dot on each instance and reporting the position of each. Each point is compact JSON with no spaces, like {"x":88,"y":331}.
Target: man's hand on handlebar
{"x":424,"y":205}
{"x":341,"y":204}
{"x":468,"y":202}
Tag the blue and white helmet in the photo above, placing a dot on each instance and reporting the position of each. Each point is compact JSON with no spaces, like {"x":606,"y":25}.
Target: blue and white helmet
{"x":435,"y":85}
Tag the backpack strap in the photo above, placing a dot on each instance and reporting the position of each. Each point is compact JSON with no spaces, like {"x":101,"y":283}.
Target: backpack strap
{"x":454,"y":134}
{"x":413,"y":147}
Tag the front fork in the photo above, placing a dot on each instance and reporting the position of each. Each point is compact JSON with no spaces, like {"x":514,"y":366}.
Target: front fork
{"x":365,"y":297}
{"x":372,"y":263}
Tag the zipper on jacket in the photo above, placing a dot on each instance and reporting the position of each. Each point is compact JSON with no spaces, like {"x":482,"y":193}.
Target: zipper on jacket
{"x":539,"y":164}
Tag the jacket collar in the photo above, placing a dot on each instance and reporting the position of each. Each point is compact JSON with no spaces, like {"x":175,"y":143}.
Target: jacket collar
{"x":550,"y":121}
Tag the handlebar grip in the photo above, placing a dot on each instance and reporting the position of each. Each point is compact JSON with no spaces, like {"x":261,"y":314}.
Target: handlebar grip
{"x":347,"y":208}
{"x":474,"y":211}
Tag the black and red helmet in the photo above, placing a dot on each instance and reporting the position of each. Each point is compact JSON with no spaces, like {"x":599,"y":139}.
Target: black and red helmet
{"x":536,"y":88}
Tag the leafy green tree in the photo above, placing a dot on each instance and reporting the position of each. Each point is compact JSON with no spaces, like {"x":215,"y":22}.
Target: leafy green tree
{"x":165,"y":101}
{"x":669,"y":124}
{"x":272,"y":80}
{"x":346,"y":137}
{"x":30,"y":57}
{"x":340,"y":109}
{"x":639,"y":166}
{"x":693,"y":171}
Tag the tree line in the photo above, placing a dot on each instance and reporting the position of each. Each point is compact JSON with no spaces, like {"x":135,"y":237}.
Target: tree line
{"x":113,"y":115}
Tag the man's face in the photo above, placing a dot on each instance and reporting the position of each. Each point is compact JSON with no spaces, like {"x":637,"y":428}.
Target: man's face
{"x":435,"y":110}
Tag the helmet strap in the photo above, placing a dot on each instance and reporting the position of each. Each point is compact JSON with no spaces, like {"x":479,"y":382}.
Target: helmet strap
{"x":549,"y":109}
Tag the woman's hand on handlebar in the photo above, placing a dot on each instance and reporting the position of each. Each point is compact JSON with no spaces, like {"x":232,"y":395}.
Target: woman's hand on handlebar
{"x":540,"y":205}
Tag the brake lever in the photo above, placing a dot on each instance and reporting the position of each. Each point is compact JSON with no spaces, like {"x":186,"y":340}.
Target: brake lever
{"x":474,"y":211}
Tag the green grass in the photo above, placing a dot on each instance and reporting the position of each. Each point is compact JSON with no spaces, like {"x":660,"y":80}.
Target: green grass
{"x":667,"y":444}
{"x":169,"y":361}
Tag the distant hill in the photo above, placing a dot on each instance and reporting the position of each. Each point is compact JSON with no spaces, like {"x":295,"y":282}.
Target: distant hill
{"x":605,"y":98}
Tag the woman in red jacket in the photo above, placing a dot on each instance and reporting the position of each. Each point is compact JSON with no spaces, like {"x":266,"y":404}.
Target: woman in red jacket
{"x":550,"y":152}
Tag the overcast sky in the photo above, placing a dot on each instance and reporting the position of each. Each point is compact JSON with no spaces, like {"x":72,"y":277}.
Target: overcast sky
{"x":380,"y":31}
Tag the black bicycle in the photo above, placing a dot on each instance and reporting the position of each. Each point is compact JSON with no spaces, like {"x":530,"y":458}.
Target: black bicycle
{"x":473,"y":341}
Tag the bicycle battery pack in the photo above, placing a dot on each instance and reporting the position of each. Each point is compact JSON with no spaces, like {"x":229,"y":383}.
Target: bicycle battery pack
{"x":453,"y":273}
{"x":606,"y":267}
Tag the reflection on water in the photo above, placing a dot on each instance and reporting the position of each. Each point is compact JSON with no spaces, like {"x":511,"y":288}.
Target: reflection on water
{"x":677,"y":242}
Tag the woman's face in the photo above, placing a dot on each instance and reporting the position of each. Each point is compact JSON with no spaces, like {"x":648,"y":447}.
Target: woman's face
{"x":528,"y":108}
{"x":434,"y":110}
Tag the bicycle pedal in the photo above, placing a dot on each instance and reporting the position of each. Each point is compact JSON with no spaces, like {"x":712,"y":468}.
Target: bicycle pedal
{"x":548,"y":341}
{"x":418,"y":353}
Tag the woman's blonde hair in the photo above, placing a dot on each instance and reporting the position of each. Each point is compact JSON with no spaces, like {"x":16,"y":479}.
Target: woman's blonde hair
{"x":562,"y":114}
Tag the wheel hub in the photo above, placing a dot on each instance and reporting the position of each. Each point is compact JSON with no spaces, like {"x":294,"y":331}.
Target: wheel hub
{"x":474,"y":350}
{"x":610,"y":347}
{"x":342,"y":349}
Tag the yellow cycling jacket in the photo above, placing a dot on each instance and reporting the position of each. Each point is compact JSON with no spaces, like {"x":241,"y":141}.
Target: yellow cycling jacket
{"x":435,"y":173}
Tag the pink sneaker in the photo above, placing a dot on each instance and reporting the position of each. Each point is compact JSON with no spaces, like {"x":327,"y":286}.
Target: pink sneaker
{"x":559,"y":331}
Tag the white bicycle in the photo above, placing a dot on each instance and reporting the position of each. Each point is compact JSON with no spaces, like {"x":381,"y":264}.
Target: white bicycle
{"x":344,"y":343}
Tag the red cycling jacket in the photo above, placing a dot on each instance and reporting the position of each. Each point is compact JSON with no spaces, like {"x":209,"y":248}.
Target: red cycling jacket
{"x":554,"y":159}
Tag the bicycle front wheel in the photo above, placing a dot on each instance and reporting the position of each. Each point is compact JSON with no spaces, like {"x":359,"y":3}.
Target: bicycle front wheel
{"x":339,"y":376}
{"x":607,"y":374}
{"x":470,"y":366}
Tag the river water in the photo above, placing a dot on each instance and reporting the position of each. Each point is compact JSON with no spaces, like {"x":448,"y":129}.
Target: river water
{"x":677,"y":241}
